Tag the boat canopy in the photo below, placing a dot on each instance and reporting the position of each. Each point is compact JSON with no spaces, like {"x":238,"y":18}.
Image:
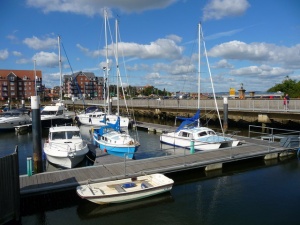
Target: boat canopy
{"x":188,"y":121}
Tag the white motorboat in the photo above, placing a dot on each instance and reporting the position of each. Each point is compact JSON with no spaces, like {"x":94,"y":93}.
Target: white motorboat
{"x":93,"y":116}
{"x":203,"y":139}
{"x":55,"y":115}
{"x":125,"y":190}
{"x":12,"y":118}
{"x":65,"y":146}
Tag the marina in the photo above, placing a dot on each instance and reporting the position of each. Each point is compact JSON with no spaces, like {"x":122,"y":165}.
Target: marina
{"x":170,"y":160}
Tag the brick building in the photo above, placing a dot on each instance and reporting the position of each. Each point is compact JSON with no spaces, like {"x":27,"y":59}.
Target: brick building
{"x":19,"y":84}
{"x":83,"y":84}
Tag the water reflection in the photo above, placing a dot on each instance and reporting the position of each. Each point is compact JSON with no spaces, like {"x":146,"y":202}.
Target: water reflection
{"x":88,"y":210}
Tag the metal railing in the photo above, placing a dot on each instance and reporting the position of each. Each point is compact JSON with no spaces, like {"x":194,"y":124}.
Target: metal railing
{"x":272,"y":105}
{"x":269,"y":133}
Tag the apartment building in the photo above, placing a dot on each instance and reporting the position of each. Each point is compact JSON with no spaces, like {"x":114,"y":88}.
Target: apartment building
{"x":20,"y":84}
{"x":83,"y":84}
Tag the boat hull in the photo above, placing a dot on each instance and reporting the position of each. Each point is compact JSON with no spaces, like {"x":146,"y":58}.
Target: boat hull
{"x":65,"y":161}
{"x":98,"y":121}
{"x":115,"y":143}
{"x":131,"y":196}
{"x":186,"y":143}
{"x":123,"y":151}
{"x":10,"y":125}
{"x":120,"y":191}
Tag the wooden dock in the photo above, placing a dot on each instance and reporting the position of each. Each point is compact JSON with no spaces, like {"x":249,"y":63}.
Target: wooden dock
{"x":172,"y":161}
{"x":155,"y":128}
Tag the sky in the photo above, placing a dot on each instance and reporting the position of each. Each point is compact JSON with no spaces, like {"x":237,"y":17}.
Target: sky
{"x":249,"y":43}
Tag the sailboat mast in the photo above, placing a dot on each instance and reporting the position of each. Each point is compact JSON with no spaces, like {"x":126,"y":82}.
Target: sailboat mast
{"x":199,"y":68}
{"x":60,"y":72}
{"x":118,"y":72}
{"x":107,"y":63}
{"x":199,"y":64}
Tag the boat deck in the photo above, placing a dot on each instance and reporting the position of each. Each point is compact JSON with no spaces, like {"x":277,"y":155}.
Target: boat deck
{"x":111,"y":168}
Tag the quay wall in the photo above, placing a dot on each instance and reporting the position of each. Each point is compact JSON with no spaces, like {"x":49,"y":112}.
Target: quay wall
{"x":241,"y":112}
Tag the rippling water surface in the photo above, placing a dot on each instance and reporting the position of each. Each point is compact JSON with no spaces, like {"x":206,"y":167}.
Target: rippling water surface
{"x":254,"y":192}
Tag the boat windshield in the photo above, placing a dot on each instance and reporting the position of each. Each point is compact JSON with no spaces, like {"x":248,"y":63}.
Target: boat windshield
{"x":73,"y":134}
{"x":65,"y":135}
{"x":10,"y":114}
{"x":48,"y":113}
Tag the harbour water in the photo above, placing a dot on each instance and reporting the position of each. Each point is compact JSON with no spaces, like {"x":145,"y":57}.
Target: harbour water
{"x":253,"y":192}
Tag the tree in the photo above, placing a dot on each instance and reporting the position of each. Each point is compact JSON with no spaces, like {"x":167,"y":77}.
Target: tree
{"x":292,"y":87}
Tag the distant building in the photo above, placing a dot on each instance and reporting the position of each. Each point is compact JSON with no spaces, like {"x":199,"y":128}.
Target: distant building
{"x":20,"y":84}
{"x":83,"y":84}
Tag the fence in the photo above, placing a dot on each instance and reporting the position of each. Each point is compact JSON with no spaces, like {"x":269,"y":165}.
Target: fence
{"x":262,"y":105}
{"x":9,"y":188}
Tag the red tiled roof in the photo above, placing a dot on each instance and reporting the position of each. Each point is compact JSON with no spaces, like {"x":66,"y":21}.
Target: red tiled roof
{"x":22,"y":73}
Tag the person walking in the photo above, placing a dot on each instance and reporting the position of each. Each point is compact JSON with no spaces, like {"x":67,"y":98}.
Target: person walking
{"x":287,"y":99}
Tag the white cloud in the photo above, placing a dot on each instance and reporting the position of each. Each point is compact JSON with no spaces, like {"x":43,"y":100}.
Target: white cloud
{"x":174,"y":37}
{"x":259,"y":52}
{"x":47,"y":59}
{"x":92,"y":7}
{"x":223,"y":63}
{"x":24,"y":61}
{"x":16,"y":53}
{"x":11,"y":37}
{"x":40,"y":44}
{"x":159,"y":49}
{"x":263,"y":70}
{"x":4,"y":54}
{"x":152,"y":76}
{"x":218,"y":9}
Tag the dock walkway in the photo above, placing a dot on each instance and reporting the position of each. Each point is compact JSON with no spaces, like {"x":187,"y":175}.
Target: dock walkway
{"x":171,"y":162}
{"x":151,"y":127}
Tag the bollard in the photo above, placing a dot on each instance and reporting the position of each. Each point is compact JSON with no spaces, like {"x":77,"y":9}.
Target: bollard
{"x":29,"y":166}
{"x":192,"y":148}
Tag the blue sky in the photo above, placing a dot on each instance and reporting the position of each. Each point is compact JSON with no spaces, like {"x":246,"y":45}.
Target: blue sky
{"x":253,"y":42}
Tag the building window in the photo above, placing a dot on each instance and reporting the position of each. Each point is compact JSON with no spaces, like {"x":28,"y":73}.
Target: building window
{"x":12,"y":88}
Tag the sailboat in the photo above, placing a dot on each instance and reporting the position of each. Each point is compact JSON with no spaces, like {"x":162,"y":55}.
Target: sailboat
{"x":54,"y":115}
{"x":190,"y":131}
{"x":111,"y":138}
{"x":96,"y":117}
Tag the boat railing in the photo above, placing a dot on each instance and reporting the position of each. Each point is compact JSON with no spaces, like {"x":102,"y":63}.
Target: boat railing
{"x":67,"y":147}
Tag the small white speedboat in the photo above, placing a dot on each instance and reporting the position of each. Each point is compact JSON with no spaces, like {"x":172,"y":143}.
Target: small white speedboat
{"x":12,"y":118}
{"x":65,"y":147}
{"x":125,"y":190}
